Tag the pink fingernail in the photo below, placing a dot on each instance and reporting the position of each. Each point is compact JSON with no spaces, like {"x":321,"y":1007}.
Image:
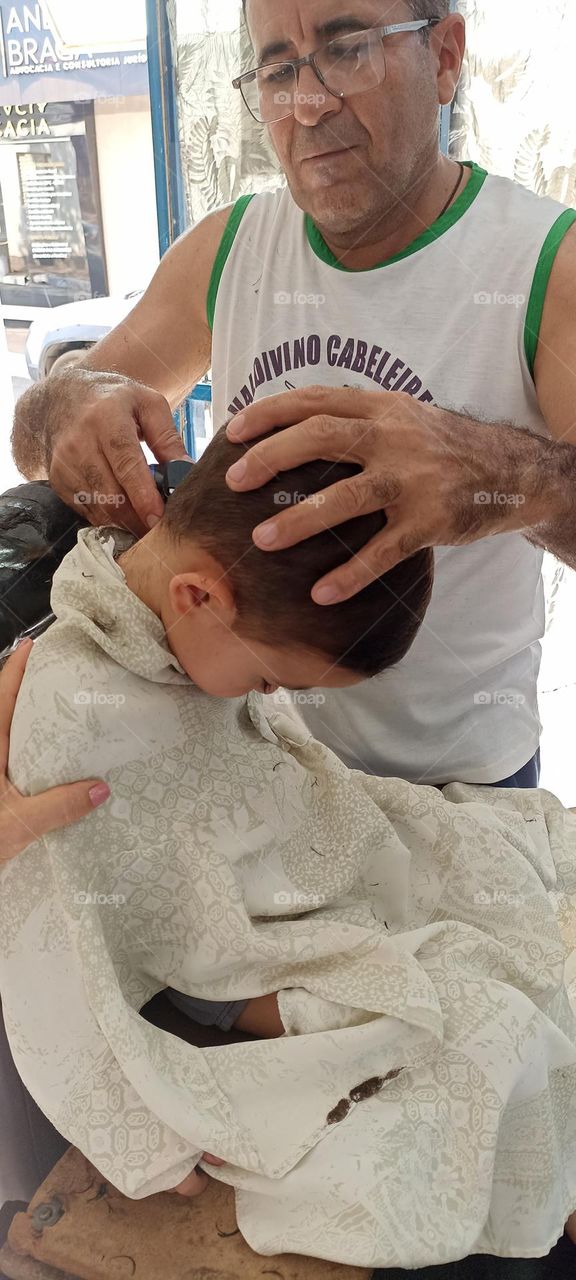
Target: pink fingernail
{"x":235,"y":426}
{"x":99,"y":794}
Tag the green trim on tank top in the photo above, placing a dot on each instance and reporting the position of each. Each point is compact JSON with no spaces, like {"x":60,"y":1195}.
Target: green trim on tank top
{"x":236,"y":215}
{"x":438,"y":228}
{"x":540,"y":284}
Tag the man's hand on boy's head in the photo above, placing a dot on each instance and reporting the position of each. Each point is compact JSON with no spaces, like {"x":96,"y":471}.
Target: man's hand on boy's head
{"x":431,"y":471}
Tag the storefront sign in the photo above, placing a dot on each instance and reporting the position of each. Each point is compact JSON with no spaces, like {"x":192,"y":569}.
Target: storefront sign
{"x":51,"y":243}
{"x":38,"y":58}
{"x":24,"y":122}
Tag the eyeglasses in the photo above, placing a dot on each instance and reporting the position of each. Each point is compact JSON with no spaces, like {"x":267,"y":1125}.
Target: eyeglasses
{"x":348,"y":65}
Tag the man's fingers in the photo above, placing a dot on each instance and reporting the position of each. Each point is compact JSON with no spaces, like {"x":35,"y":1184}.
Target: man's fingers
{"x":324,"y":510}
{"x":294,"y":406}
{"x":126,"y":459}
{"x":100,"y":499}
{"x":159,"y":429}
{"x":10,"y":681}
{"x":152,"y":421}
{"x":379,"y":555}
{"x":320,"y":438}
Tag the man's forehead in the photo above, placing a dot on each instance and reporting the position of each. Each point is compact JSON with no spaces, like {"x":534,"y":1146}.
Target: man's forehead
{"x":271,"y":23}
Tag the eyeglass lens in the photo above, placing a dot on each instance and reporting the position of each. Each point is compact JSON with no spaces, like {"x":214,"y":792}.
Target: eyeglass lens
{"x":351,"y":64}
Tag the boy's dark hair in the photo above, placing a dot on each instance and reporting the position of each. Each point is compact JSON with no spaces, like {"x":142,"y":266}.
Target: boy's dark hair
{"x":367,"y":634}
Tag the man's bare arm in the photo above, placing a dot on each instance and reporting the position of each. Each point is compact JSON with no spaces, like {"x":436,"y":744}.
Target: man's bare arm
{"x":81,"y":429}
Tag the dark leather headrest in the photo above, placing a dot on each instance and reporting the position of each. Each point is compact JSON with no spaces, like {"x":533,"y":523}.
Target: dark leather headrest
{"x":37,"y":530}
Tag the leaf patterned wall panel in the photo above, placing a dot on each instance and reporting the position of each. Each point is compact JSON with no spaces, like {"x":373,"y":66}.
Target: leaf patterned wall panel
{"x":515,"y":108}
{"x":225,"y":153}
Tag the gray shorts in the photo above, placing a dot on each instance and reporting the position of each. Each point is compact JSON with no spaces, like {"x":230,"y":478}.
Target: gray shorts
{"x":210,"y":1013}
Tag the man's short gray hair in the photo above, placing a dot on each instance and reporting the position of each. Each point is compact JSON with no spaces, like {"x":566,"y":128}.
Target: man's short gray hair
{"x":420,"y":8}
{"x":430,"y":8}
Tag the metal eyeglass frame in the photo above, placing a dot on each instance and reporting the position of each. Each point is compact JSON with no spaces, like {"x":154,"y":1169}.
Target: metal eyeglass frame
{"x":310,"y":60}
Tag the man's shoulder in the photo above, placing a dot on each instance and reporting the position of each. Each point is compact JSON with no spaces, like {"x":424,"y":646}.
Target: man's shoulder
{"x":512,"y":189}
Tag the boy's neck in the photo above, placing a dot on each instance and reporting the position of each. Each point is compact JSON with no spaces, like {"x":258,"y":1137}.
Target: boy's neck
{"x":145,"y":569}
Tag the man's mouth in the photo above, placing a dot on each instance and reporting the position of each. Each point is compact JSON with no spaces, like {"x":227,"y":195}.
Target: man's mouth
{"x":335,"y":151}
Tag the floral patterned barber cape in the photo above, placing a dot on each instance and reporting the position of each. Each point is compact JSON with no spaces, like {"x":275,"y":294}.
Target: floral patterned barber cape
{"x":421,"y":1105}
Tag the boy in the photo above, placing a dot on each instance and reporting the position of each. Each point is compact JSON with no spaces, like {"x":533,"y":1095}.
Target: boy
{"x":426,"y":1025}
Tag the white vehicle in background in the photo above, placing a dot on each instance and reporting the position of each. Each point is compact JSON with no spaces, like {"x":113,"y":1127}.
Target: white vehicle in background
{"x":61,"y":337}
{"x":64,"y":334}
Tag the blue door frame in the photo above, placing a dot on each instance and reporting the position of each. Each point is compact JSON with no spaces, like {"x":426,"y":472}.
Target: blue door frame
{"x":170,"y":196}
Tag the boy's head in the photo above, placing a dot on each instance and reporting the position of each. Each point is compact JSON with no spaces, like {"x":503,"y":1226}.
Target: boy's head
{"x":238,"y":618}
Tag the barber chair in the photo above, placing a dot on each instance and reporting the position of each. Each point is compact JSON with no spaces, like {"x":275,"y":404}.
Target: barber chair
{"x":37,"y":530}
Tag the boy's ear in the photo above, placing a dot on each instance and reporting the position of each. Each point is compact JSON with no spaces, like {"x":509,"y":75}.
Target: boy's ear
{"x":210,"y":591}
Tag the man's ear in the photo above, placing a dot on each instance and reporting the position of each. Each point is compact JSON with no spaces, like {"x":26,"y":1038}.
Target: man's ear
{"x":449,"y":43}
{"x":189,"y":592}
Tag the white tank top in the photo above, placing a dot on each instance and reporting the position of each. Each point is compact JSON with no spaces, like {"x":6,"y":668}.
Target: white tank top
{"x":453,"y":320}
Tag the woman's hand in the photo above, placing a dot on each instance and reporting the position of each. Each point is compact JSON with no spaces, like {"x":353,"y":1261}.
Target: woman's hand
{"x":442,"y":479}
{"x":24,"y":819}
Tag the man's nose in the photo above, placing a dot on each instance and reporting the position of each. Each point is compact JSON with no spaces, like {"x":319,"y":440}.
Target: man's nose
{"x":312,"y":101}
